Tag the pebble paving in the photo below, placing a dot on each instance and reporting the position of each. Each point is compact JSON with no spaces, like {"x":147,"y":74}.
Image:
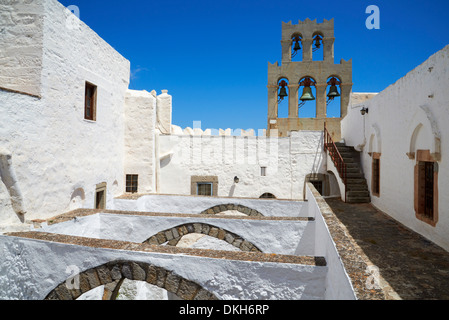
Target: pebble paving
{"x":414,"y":267}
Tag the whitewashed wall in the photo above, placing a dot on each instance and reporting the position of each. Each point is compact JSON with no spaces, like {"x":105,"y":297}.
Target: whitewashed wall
{"x":58,"y":156}
{"x":288,"y":161}
{"x":291,"y":237}
{"x":140,"y":140}
{"x":419,"y":98}
{"x":31,"y":269}
{"x":197,"y":204}
{"x":21,"y":40}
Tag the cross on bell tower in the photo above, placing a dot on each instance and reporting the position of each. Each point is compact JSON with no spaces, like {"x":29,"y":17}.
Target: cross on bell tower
{"x":300,"y":78}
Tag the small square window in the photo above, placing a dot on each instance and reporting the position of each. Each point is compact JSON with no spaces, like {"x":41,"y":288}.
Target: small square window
{"x":90,"y":102}
{"x":263,"y":171}
{"x":132,"y":183}
{"x":204,"y":189}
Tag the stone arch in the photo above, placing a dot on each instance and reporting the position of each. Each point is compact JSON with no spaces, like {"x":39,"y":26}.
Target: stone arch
{"x":237,"y":207}
{"x":174,"y":235}
{"x":115,"y":272}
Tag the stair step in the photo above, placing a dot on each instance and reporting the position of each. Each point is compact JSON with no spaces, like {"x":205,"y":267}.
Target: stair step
{"x":354,"y":175}
{"x":358,"y":199}
{"x":353,"y":170}
{"x":348,"y":160}
{"x":356,"y":181}
{"x":361,"y":187}
{"x":358,"y":193}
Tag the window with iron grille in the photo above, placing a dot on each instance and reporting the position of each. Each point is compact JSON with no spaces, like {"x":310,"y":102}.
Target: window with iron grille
{"x":204,"y":189}
{"x":132,"y":183}
{"x":90,"y":102}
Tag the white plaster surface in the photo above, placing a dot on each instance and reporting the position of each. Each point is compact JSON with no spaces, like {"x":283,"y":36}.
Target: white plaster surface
{"x":30,"y":269}
{"x":288,"y":161}
{"x":196,"y":205}
{"x":281,"y":237}
{"x":55,"y":151}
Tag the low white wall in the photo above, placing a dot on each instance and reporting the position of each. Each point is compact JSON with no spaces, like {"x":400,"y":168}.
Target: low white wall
{"x":31,"y":269}
{"x":280,"y":237}
{"x":338,"y":284}
{"x":196,"y":205}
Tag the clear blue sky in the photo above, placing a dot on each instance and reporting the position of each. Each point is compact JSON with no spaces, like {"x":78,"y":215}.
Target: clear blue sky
{"x":212,"y":56}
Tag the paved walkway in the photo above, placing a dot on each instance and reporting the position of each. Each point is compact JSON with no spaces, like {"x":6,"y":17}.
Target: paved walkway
{"x":414,"y":267}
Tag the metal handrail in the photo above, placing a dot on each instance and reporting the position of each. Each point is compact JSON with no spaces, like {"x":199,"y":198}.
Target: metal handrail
{"x":329,"y":145}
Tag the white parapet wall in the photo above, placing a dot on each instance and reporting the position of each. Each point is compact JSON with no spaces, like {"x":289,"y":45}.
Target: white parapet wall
{"x":197,"y":205}
{"x":290,"y":237}
{"x":338,"y":283}
{"x":31,"y":269}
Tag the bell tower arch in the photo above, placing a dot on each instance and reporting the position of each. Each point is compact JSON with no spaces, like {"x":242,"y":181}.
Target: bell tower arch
{"x":332,"y":83}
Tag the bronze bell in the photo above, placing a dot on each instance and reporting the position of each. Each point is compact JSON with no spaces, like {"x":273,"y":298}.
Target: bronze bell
{"x":283,"y":93}
{"x":297,"y":46}
{"x":317,"y":42}
{"x":333,"y":92}
{"x":307,"y":94}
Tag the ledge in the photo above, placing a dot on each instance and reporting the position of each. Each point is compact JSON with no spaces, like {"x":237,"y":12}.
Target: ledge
{"x":88,"y":212}
{"x":144,"y":247}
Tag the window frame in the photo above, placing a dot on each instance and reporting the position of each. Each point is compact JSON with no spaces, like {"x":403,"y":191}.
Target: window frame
{"x":424,"y":157}
{"x":93,"y":102}
{"x":132,"y":183}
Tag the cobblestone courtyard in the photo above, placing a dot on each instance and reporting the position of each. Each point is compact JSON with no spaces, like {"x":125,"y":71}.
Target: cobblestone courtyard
{"x":415,"y":268}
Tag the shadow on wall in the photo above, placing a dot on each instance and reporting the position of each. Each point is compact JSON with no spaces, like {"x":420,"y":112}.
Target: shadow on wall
{"x":9,"y":179}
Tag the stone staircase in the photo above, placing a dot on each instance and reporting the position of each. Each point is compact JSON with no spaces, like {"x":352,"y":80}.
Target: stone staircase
{"x":356,"y":187}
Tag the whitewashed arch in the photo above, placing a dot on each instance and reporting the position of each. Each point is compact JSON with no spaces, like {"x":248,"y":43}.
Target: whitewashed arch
{"x":423,"y":119}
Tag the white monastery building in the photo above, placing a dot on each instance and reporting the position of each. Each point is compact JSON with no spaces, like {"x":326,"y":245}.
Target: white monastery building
{"x":75,"y":139}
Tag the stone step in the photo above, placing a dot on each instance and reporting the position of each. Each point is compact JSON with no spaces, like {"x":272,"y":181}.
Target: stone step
{"x":358,"y":181}
{"x":358,"y":199}
{"x":348,"y":160}
{"x":358,"y":193}
{"x":357,"y":187}
{"x":353,"y":169}
{"x":354,"y":175}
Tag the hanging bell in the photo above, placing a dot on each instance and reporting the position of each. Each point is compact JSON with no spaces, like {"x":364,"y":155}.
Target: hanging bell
{"x":297,"y":46}
{"x":283,"y":93}
{"x":317,"y":42}
{"x":307,"y":94}
{"x":333,"y":92}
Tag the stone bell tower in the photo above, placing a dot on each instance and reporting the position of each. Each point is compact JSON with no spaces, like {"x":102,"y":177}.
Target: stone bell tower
{"x":302,"y":40}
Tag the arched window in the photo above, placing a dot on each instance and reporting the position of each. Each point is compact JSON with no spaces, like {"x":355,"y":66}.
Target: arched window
{"x":297,"y":47}
{"x":267,"y":196}
{"x":307,"y":98}
{"x":333,"y":97}
{"x":283,"y":94}
{"x":317,"y":46}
